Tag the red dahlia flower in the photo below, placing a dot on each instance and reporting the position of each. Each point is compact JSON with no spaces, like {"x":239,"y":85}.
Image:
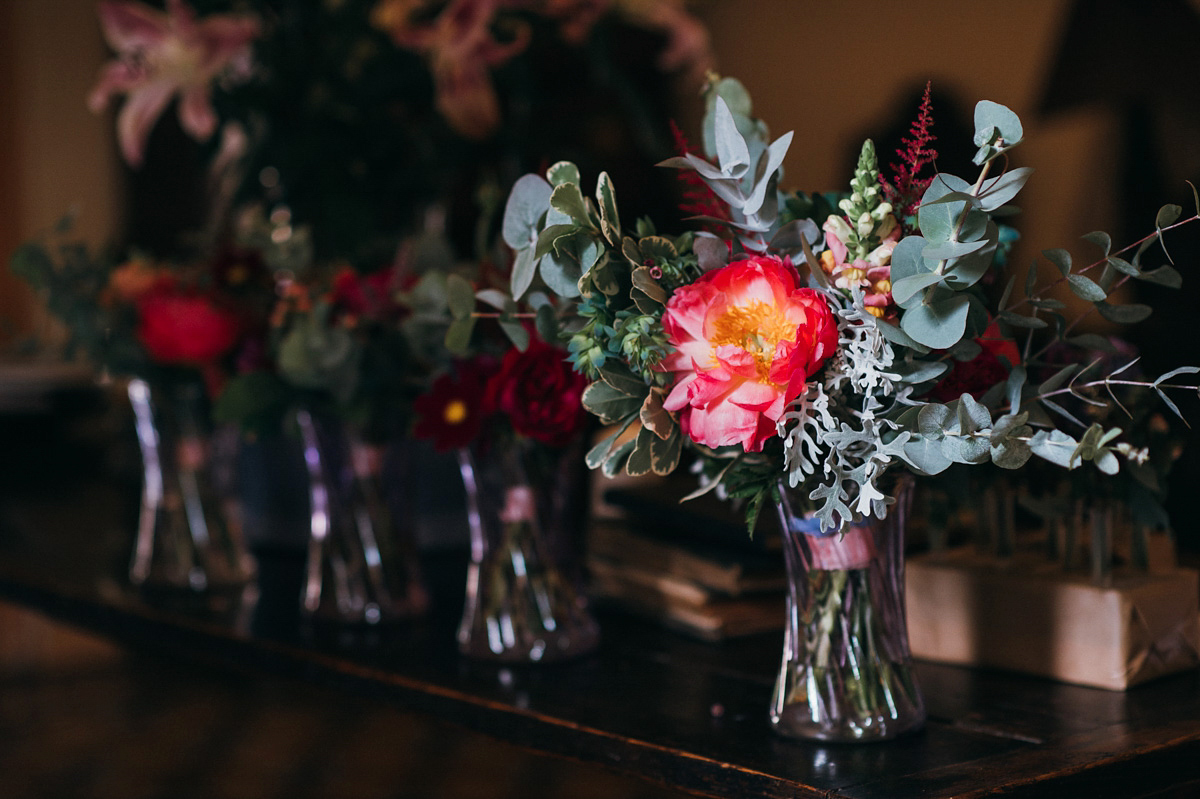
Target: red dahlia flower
{"x":451,"y":413}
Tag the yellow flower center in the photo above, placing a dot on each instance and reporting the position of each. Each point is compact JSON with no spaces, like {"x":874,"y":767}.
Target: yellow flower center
{"x":454,"y":412}
{"x":757,"y":328}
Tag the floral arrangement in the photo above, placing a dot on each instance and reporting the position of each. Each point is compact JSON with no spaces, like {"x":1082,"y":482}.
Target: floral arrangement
{"x":335,"y":136}
{"x":166,"y":321}
{"x":822,"y":347}
{"x":355,"y":117}
{"x":533,"y":393}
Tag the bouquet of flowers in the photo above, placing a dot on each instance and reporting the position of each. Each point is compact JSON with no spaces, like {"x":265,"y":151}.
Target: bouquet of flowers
{"x":168,"y":322}
{"x":825,"y":347}
{"x":512,"y":412}
{"x":804,"y":349}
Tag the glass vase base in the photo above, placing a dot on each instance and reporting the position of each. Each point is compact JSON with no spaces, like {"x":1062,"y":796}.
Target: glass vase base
{"x":813,"y":711}
{"x":499,"y":638}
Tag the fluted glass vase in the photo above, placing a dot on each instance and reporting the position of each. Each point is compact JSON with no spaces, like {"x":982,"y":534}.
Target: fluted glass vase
{"x":846,"y":672}
{"x":183,"y":539}
{"x":362,"y":565}
{"x":523,"y":601}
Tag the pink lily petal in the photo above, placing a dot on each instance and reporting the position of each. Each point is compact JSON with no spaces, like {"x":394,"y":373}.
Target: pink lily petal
{"x":130,"y":27}
{"x":182,"y":19}
{"x":116,"y":77}
{"x":196,"y":113}
{"x":141,"y":110}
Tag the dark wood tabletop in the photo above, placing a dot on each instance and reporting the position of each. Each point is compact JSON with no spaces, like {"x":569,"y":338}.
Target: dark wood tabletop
{"x":686,"y":715}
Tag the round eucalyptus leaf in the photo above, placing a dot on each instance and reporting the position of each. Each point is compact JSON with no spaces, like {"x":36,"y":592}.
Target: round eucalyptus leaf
{"x":527,"y":202}
{"x":523,"y":271}
{"x":561,"y":274}
{"x":938,"y":324}
{"x":993,"y":119}
{"x":907,"y":259}
{"x":460,"y":296}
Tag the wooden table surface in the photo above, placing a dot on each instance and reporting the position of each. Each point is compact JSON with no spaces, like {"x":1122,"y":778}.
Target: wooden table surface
{"x":682,"y":714}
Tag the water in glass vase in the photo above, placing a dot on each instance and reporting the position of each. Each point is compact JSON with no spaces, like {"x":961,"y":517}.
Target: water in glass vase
{"x":523,"y":603}
{"x":846,"y":673}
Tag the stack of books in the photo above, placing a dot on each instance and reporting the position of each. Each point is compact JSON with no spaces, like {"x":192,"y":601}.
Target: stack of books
{"x":691,"y":567}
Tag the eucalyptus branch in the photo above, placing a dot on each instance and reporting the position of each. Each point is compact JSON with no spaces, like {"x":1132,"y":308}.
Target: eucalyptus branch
{"x":1044,"y":290}
{"x":962,"y":217}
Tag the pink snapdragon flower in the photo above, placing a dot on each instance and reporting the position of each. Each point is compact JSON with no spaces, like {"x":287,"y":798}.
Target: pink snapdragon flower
{"x":872,"y":273}
{"x":163,"y":54}
{"x":746,"y":338}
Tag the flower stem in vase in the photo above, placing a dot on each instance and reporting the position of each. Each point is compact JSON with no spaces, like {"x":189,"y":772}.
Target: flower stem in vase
{"x":845,"y":673}
{"x":520,"y":605}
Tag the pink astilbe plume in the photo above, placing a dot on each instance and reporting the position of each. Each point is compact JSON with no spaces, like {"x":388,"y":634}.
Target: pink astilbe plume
{"x":907,"y":186}
{"x":697,"y":199}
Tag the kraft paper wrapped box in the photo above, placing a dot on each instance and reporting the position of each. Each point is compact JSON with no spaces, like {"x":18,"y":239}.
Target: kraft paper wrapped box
{"x":1026,"y":615}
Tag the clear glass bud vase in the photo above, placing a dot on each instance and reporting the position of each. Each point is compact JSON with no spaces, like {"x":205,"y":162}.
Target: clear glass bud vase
{"x":362,"y":565}
{"x":183,"y":539}
{"x":846,"y":672}
{"x":523,"y":601}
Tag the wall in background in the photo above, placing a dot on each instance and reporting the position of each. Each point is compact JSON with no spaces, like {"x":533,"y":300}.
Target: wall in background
{"x":837,"y":73}
{"x":55,"y":155}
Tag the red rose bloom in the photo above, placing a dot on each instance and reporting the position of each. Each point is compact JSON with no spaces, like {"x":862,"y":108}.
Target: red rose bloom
{"x":540,"y":393}
{"x":182,"y":328}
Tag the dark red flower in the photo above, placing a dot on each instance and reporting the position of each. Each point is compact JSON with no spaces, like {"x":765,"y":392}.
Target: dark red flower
{"x":364,"y":295}
{"x":451,"y":413}
{"x":540,"y":393}
{"x":185,"y":328}
{"x":979,"y":374}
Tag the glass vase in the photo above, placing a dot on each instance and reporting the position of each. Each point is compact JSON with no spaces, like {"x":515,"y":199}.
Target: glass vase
{"x":183,"y":538}
{"x":361,"y":565}
{"x":846,"y":672}
{"x":523,"y":601}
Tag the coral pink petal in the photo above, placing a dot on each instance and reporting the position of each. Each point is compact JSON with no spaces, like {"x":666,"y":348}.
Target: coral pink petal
{"x":737,"y":361}
{"x":678,"y":398}
{"x":754,"y":396}
{"x":723,"y":426}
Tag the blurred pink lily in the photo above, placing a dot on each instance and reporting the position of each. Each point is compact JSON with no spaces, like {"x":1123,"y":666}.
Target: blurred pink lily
{"x":161,"y":54}
{"x":462,"y":50}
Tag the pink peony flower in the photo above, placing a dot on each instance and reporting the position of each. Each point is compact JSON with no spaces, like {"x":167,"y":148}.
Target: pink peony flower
{"x":161,"y":54}
{"x":746,"y":338}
